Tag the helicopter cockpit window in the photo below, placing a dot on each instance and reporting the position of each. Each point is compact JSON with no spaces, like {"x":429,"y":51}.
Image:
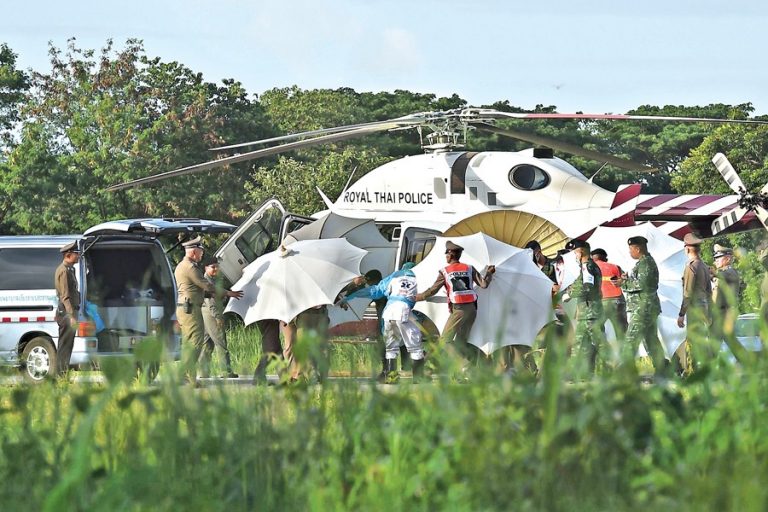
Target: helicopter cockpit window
{"x":528,"y":177}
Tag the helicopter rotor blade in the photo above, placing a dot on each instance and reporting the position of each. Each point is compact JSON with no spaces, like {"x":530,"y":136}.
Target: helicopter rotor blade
{"x":728,"y":219}
{"x":728,"y":173}
{"x":762,"y":215}
{"x":403,"y":122}
{"x":260,"y":153}
{"x":565,"y":147}
{"x":496,"y":114}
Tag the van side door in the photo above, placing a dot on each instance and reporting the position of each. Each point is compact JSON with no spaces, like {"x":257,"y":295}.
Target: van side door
{"x":259,"y":234}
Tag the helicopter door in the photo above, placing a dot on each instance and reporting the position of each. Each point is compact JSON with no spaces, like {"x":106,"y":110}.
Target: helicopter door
{"x":416,"y":244}
{"x":261,"y":233}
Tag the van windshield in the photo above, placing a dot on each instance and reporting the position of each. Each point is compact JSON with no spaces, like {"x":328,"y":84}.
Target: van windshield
{"x":28,"y":268}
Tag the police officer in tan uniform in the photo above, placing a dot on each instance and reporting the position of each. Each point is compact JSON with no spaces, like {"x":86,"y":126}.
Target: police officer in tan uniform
{"x":192,"y":286}
{"x":697,"y":293}
{"x":65,"y":283}
{"x":726,"y":287}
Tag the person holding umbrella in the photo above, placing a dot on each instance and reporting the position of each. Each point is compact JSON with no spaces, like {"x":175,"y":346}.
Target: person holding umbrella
{"x":641,"y":291}
{"x":459,"y":280}
{"x":545,"y":264}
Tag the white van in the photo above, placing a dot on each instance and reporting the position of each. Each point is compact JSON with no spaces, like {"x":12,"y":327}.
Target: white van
{"x":123,"y":271}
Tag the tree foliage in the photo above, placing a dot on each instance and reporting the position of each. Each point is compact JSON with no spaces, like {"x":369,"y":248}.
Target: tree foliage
{"x":97,"y":120}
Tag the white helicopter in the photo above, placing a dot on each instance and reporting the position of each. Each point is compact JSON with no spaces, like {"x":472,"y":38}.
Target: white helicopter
{"x":513,"y":196}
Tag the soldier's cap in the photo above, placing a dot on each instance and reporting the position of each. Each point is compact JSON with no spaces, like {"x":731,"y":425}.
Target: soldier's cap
{"x":691,"y":240}
{"x":195,"y":243}
{"x":576,"y":244}
{"x":721,"y":250}
{"x":450,"y":246}
{"x":70,"y":247}
{"x":210,"y":261}
{"x":599,"y":252}
{"x":533,"y":244}
{"x":637,"y":240}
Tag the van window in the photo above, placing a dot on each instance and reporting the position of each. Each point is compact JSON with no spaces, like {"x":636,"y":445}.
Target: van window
{"x":260,"y":237}
{"x":28,"y":268}
{"x":120,"y":275}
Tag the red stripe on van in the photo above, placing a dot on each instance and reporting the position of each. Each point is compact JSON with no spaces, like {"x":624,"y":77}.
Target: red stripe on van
{"x":6,"y":320}
{"x":41,"y":319}
{"x":23,"y":319}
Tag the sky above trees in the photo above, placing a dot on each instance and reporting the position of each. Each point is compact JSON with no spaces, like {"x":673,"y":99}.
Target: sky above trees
{"x":594,"y":56}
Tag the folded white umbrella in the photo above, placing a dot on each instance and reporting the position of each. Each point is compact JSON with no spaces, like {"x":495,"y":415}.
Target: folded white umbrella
{"x":512,"y":310}
{"x":281,"y":284}
{"x":670,"y":258}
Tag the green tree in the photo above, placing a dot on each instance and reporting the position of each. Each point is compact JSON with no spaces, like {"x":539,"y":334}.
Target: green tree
{"x":663,"y":145}
{"x":14,"y":85}
{"x":99,"y":120}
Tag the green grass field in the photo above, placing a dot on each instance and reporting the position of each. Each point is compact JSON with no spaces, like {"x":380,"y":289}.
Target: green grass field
{"x":559,"y":441}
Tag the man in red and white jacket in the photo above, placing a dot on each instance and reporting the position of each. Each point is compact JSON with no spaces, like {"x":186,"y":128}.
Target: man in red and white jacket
{"x":459,"y":279}
{"x":614,"y":304}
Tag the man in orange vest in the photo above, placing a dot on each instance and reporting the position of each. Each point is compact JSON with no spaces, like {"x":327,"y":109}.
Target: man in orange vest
{"x":614,"y":305}
{"x":459,"y":279}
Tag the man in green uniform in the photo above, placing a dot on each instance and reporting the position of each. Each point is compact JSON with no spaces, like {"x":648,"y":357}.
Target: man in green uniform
{"x":192,"y":285}
{"x":213,"y":318}
{"x":697,"y":293}
{"x":65,"y":283}
{"x":726,"y":286}
{"x":590,"y":340}
{"x":641,"y":292}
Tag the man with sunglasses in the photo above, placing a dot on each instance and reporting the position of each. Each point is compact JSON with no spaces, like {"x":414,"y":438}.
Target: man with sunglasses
{"x":459,"y":280}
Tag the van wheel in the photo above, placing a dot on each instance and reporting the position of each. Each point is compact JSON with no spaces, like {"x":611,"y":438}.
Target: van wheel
{"x":38,"y":360}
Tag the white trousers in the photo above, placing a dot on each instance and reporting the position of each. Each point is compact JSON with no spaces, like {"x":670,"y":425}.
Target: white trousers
{"x":399,"y":327}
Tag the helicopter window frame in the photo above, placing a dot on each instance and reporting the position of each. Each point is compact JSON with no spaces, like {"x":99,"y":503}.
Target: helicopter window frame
{"x":540,"y":179}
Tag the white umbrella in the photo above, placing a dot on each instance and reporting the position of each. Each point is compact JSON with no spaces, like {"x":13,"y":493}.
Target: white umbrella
{"x":361,"y":233}
{"x":512,"y":310}
{"x":670,"y":258}
{"x":283,"y":283}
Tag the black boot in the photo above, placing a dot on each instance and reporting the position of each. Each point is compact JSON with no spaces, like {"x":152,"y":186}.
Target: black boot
{"x":391,"y":372}
{"x":383,"y":375}
{"x":405,"y":360}
{"x":418,"y":370}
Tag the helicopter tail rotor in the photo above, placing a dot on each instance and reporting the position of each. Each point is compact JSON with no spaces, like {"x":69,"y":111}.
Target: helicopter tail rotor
{"x":748,"y":202}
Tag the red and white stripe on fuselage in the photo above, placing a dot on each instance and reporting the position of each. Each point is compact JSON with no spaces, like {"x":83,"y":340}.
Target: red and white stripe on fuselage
{"x":26,"y":319}
{"x":678,"y":214}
